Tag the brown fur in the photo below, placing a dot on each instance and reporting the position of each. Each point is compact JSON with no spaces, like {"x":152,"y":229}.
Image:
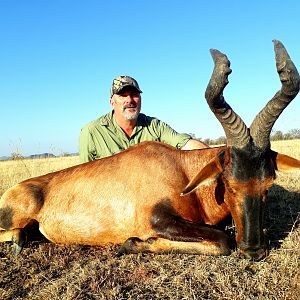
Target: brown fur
{"x":112,"y":199}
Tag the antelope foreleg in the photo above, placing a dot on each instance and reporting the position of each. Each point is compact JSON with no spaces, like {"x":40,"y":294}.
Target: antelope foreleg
{"x":162,"y":245}
{"x":174,"y":234}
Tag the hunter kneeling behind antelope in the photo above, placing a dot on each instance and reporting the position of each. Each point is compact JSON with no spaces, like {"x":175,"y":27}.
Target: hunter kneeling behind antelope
{"x":155,"y":198}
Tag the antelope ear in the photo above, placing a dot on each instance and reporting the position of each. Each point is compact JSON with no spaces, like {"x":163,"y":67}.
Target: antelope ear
{"x":210,"y":171}
{"x":284,"y":162}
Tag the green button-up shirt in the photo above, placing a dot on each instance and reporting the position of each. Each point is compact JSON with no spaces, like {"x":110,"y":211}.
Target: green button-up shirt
{"x":104,"y":137}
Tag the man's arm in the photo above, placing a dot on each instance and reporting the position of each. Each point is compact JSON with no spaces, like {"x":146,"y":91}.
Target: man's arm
{"x":85,"y":145}
{"x":194,"y":144}
{"x":181,"y":141}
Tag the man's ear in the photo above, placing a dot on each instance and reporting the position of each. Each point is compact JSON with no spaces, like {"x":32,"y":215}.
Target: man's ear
{"x":111,"y":100}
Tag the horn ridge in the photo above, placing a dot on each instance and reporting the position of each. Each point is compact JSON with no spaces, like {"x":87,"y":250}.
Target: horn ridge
{"x":235,"y":129}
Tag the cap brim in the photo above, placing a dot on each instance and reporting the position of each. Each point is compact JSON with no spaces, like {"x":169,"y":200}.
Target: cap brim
{"x":127,"y":86}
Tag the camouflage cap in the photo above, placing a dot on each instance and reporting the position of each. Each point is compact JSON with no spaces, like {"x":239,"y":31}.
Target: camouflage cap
{"x":121,"y":82}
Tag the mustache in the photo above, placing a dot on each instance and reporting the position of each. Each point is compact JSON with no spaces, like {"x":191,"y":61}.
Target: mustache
{"x":129,"y":106}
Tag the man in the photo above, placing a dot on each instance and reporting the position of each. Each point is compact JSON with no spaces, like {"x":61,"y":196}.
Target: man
{"x":125,"y":126}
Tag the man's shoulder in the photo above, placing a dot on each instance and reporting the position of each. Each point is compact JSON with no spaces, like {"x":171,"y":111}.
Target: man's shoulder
{"x":99,"y":122}
{"x":148,"y":120}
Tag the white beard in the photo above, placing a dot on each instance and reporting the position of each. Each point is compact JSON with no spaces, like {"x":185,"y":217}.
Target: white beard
{"x":131,"y":115}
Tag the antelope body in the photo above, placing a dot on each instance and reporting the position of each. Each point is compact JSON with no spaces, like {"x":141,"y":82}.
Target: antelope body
{"x":154,"y":198}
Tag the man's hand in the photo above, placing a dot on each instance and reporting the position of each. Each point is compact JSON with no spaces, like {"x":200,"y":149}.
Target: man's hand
{"x":194,"y":144}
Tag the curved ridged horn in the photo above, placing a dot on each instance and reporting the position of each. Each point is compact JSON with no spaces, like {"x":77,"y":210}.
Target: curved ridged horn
{"x":235,"y":129}
{"x":261,"y":126}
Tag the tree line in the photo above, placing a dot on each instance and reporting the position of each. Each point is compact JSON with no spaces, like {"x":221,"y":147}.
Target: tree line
{"x":276,"y":135}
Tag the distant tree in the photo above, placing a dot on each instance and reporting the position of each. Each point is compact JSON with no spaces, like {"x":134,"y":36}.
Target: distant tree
{"x":64,"y":154}
{"x":220,"y":140}
{"x":294,"y":133}
{"x":276,"y":136}
{"x":208,"y":141}
{"x":193,"y":135}
{"x":16,"y":156}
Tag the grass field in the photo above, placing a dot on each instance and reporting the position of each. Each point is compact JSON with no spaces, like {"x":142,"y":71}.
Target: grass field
{"x":48,"y":271}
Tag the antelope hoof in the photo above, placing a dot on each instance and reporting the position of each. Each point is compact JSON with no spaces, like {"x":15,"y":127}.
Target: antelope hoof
{"x":19,"y":241}
{"x":129,"y":246}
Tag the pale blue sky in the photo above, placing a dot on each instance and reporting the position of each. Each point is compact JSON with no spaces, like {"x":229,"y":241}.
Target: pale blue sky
{"x":58,"y":59}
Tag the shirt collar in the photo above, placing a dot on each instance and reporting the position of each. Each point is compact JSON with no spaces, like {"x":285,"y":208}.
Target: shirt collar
{"x":109,"y":121}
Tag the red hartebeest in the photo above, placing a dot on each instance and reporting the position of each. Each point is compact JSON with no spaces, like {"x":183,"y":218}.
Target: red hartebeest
{"x":154,"y":198}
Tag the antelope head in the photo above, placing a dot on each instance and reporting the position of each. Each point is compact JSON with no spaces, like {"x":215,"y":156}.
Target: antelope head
{"x":247,"y":165}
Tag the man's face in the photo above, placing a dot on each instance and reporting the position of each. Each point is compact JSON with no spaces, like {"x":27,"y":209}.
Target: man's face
{"x":126,"y":104}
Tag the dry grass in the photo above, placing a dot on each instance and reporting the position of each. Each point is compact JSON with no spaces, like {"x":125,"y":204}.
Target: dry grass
{"x":48,"y":271}
{"x":291,"y":147}
{"x":14,"y":171}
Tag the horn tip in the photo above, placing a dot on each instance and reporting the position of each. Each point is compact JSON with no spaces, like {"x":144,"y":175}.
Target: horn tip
{"x":276,"y":41}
